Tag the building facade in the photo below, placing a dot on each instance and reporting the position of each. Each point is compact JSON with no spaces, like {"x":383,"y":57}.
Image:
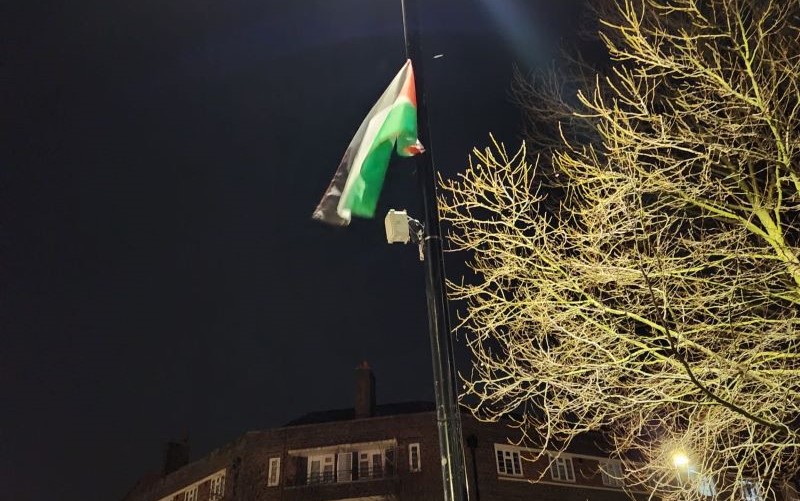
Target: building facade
{"x":379,"y":453}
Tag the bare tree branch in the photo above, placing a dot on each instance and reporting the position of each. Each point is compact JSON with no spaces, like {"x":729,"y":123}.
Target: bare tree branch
{"x":640,"y":274}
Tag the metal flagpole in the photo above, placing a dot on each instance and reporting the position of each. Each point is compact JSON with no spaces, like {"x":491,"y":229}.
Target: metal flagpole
{"x":447,"y":412}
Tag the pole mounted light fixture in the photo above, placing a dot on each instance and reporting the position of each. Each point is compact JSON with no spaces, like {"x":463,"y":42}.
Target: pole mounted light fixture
{"x":680,"y":460}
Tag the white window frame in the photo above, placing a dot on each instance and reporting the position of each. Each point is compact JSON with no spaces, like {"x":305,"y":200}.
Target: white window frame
{"x":344,"y":467}
{"x":325,"y":461}
{"x":216,"y":487}
{"x":751,"y":490}
{"x":414,"y":450}
{"x":369,"y":458}
{"x":707,"y":486}
{"x":380,"y":461}
{"x":612,"y":473}
{"x":559,"y":463}
{"x":506,"y":455}
{"x":184,"y":492}
{"x":274,"y":472}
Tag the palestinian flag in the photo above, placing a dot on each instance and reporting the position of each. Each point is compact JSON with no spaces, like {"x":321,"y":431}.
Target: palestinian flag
{"x":356,"y":186}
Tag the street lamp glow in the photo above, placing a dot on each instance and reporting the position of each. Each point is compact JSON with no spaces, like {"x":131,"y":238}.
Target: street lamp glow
{"x":680,"y":460}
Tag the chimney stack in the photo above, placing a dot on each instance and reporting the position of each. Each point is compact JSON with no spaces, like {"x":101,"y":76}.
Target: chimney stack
{"x":176,"y":455}
{"x":365,"y":391}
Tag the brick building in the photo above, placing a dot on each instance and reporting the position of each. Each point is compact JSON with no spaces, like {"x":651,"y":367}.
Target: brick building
{"x":374,"y":453}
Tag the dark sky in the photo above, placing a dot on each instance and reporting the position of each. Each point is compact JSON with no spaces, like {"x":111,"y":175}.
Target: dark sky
{"x":160,"y":273}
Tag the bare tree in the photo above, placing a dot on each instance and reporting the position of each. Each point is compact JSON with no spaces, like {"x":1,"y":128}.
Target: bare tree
{"x":641,"y":277}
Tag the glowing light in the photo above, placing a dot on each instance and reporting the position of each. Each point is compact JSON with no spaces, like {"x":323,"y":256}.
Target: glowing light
{"x":680,"y":460}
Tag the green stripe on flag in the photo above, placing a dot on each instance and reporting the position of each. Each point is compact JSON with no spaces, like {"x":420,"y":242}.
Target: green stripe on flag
{"x":401,"y":126}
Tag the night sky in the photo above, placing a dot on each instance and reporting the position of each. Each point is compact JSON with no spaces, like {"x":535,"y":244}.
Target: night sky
{"x":161,"y":276}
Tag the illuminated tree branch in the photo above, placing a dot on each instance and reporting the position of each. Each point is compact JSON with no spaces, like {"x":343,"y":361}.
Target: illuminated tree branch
{"x":640,"y":275}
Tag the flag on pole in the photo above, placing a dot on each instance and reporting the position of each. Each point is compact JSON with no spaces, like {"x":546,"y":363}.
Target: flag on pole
{"x":357,"y":184}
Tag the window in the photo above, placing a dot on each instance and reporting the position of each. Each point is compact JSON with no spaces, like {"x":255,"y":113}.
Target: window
{"x":389,"y":461}
{"x":342,"y":463}
{"x":561,"y":469}
{"x":344,"y":467}
{"x":370,"y":464}
{"x":215,"y":481}
{"x":508,"y":461}
{"x":612,"y":473}
{"x":320,"y":469}
{"x":414,"y":463}
{"x":706,"y":486}
{"x":274,"y":474}
{"x":751,"y":491}
{"x":217,"y":487}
